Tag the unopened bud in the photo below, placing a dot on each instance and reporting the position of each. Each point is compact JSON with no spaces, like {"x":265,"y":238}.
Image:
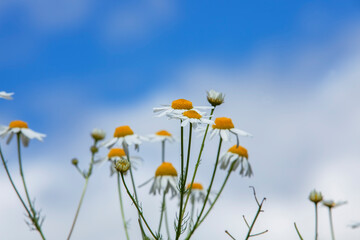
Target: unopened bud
{"x":74,"y":161}
{"x":98,"y":134}
{"x":94,"y":149}
{"x":215,"y":98}
{"x":315,"y":196}
{"x":122,"y":165}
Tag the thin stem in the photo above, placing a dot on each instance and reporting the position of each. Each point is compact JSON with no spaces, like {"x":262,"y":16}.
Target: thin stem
{"x":298,"y":232}
{"x":316,"y":221}
{"x":122,"y":207}
{"x":208,"y":191}
{"x":331,"y":224}
{"x":162,"y":211}
{"x":218,"y":195}
{"x":34,"y":217}
{"x":167,"y":222}
{"x":137,"y":207}
{"x":178,"y":229}
{"x":86,"y":176}
{"x":192,"y":212}
{"x":198,"y":161}
{"x":163,"y":150}
{"x":229,"y":235}
{"x":253,"y":223}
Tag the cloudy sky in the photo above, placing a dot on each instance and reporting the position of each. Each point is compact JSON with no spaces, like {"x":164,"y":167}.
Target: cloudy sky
{"x":290,"y":72}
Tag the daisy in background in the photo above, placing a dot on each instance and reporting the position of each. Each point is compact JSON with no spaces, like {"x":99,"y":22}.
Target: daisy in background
{"x":6,"y":95}
{"x":193,"y":117}
{"x":114,"y":155}
{"x":124,"y":134}
{"x":198,"y":193}
{"x":161,"y":136}
{"x":239,"y":155}
{"x":21,"y":128}
{"x":224,"y":127}
{"x":165,"y":179}
{"x":177,"y":107}
{"x":215,"y":98}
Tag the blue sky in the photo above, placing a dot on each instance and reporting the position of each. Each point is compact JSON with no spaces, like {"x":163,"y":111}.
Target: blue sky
{"x":289,"y":70}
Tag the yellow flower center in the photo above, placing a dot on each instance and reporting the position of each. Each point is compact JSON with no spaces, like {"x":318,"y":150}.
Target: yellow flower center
{"x":192,"y":114}
{"x":182,"y":104}
{"x":163,"y":133}
{"x":123,"y":131}
{"x":116,"y":152}
{"x":166,"y":169}
{"x":241,"y":151}
{"x":195,"y":185}
{"x":18,"y":124}
{"x":223,"y":123}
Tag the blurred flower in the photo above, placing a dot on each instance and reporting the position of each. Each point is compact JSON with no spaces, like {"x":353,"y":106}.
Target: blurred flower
{"x":194,"y":117}
{"x":239,"y":155}
{"x":20,"y":127}
{"x":177,"y":107}
{"x":123,"y":134}
{"x":198,"y":193}
{"x":332,"y":204}
{"x":215,"y":98}
{"x":6,"y":95}
{"x":122,"y":165}
{"x":98,"y":134}
{"x":315,"y":196}
{"x":224,"y":126}
{"x":160,"y":136}
{"x":74,"y":161}
{"x":165,"y":179}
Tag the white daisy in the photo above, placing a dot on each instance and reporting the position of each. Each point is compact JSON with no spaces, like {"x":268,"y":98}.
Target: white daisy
{"x":177,"y":107}
{"x":224,"y":126}
{"x":6,"y":95}
{"x":215,"y":98}
{"x":239,"y":155}
{"x":160,"y":136}
{"x":198,"y":193}
{"x":123,"y":134}
{"x":114,"y":155}
{"x":20,"y":127}
{"x":165,"y":180}
{"x":332,"y":204}
{"x":194,"y":117}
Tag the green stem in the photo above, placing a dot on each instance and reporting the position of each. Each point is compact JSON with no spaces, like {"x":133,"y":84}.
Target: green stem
{"x":137,"y":207}
{"x":86,"y":176}
{"x":34,"y":217}
{"x":331,"y":224}
{"x":163,"y":150}
{"x":178,"y":228}
{"x":198,"y":161}
{"x":316,"y":221}
{"x":122,"y":207}
{"x":183,"y":182}
{"x":167,"y":222}
{"x":298,"y":232}
{"x":253,"y":223}
{"x":218,"y":194}
{"x":162,"y":211}
{"x":208,"y":191}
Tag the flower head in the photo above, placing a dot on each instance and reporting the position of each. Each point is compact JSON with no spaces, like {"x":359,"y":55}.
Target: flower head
{"x":235,"y":156}
{"x":122,"y":165}
{"x":160,"y":136}
{"x":98,"y":134}
{"x":197,"y":193}
{"x":224,"y":126}
{"x":6,"y":95}
{"x":21,"y":128}
{"x":165,"y":179}
{"x":332,"y":204}
{"x":315,"y":196}
{"x":193,"y":117}
{"x":177,"y":107}
{"x":215,"y":98}
{"x":123,"y":134}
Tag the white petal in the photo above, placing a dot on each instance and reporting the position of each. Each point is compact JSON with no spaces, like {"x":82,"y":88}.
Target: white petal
{"x":225,"y":134}
{"x":109,"y":143}
{"x":6,"y":95}
{"x":32,"y":134}
{"x":241,"y":132}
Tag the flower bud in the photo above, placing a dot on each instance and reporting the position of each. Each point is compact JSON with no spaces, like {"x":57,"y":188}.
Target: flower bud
{"x":122,"y":165}
{"x":215,"y":98}
{"x":74,"y":161}
{"x":94,"y":149}
{"x":315,"y":196}
{"x":98,"y":134}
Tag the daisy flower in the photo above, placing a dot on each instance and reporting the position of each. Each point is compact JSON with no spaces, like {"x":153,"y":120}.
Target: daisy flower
{"x":198,"y":193}
{"x":116,"y":154}
{"x":22,"y":128}
{"x":6,"y":95}
{"x":332,"y":204}
{"x":194,"y":117}
{"x":165,"y":179}
{"x":160,"y":136}
{"x":315,"y":196}
{"x":224,"y":126}
{"x":177,"y":107}
{"x":239,"y":155}
{"x":123,"y":134}
{"x":215,"y":98}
